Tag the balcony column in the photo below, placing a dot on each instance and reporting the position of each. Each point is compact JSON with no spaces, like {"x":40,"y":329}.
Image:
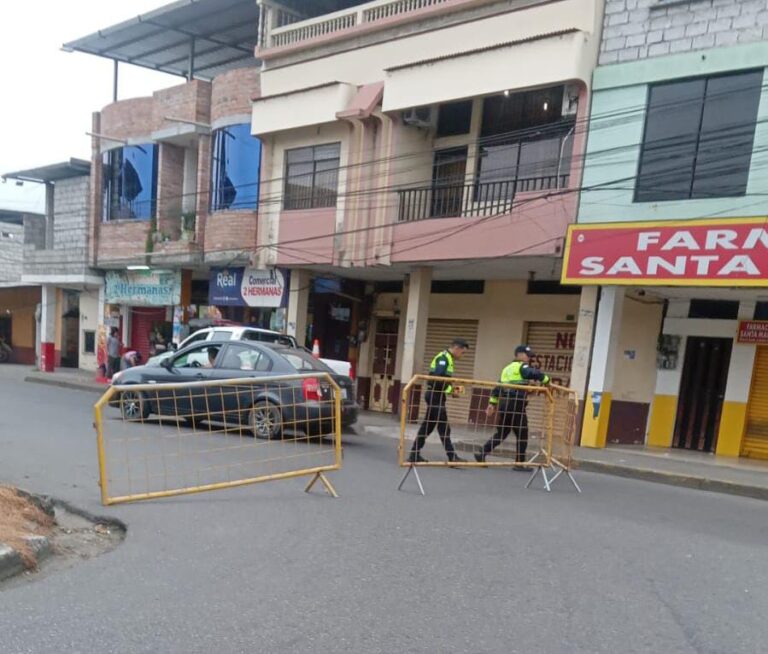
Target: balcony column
{"x":416,"y":316}
{"x":47,"y":328}
{"x":597,"y":409}
{"x":298,"y":301}
{"x":585,"y":329}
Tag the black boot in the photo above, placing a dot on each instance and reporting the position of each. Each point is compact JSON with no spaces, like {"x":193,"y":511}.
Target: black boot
{"x":415,"y":457}
{"x":455,"y":458}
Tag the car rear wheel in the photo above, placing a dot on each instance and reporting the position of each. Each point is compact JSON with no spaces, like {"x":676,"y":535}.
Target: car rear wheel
{"x":266,"y":421}
{"x":133,"y":406}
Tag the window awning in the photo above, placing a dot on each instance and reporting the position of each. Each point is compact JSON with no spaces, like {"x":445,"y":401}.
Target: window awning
{"x":559,"y":56}
{"x":215,"y":35}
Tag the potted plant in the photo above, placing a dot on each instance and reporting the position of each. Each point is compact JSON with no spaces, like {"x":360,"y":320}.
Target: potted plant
{"x":188,"y":220}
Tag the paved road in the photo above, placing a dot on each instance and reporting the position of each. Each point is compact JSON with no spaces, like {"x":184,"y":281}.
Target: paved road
{"x":479,"y":565}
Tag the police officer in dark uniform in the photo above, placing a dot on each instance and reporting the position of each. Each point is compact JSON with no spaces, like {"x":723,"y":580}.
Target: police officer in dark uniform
{"x":511,"y":405}
{"x":437,"y":392}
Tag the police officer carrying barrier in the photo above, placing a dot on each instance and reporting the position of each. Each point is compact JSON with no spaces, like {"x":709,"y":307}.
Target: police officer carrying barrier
{"x":511,"y":405}
{"x":437,"y":392}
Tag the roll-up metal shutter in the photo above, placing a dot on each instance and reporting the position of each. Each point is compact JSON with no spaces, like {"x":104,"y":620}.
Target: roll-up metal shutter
{"x":440,"y":333}
{"x":552,"y":344}
{"x":755,"y":443}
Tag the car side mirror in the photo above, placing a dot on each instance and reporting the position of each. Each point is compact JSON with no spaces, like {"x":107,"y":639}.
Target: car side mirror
{"x":167,"y":363}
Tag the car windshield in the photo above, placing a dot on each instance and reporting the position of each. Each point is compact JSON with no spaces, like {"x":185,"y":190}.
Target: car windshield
{"x":304,"y":362}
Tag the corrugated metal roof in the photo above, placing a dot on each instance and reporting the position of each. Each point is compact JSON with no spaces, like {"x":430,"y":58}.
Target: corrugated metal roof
{"x":224,"y":34}
{"x":53,"y":172}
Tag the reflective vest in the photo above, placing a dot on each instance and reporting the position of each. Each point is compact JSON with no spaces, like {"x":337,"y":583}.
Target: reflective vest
{"x":438,"y":369}
{"x":512,"y":375}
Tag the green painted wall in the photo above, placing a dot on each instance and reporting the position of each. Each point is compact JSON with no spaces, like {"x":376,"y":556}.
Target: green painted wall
{"x":616,"y":129}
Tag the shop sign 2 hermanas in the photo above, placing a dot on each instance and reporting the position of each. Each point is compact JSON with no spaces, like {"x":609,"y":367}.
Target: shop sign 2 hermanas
{"x":147,"y":288}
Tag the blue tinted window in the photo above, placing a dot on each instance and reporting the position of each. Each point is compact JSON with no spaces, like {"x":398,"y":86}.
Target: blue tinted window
{"x":235,"y":168}
{"x":130,"y":182}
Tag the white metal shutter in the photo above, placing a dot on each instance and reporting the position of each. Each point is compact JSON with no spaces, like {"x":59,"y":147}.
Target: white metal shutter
{"x":440,"y":333}
{"x":755,"y":443}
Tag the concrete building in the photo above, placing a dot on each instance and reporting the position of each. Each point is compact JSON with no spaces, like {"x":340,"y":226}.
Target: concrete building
{"x":421,"y":162}
{"x":175,"y":176}
{"x":672,"y":228}
{"x":56,"y":264}
{"x":19,"y":232}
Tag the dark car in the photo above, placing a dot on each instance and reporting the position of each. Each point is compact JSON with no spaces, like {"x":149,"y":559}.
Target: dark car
{"x":268,"y":408}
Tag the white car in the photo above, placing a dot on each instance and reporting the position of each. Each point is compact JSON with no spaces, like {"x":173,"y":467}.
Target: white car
{"x":238,"y":333}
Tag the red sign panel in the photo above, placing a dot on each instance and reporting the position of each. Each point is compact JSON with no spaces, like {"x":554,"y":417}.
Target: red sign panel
{"x":753,"y":331}
{"x":723,"y":252}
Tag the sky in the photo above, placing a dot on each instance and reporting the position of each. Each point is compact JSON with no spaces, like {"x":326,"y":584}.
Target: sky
{"x":48,"y":95}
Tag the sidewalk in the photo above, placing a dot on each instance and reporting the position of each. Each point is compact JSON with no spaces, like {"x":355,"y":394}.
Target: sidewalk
{"x":82,"y":380}
{"x":745,"y":477}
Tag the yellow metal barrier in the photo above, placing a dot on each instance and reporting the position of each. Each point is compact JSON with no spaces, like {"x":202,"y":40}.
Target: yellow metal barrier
{"x":487,"y":424}
{"x":161,"y":440}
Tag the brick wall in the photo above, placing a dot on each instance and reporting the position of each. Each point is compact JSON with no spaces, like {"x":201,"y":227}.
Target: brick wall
{"x":190,"y":101}
{"x":122,"y":242}
{"x":170,"y":184}
{"x":229,"y":231}
{"x":231,"y":93}
{"x":127,"y":119}
{"x":637,"y":29}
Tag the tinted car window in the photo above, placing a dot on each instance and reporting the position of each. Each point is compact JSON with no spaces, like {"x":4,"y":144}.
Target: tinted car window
{"x":196,"y":358}
{"x":304,"y":362}
{"x":266,"y":337}
{"x":195,"y":338}
{"x":240,"y":357}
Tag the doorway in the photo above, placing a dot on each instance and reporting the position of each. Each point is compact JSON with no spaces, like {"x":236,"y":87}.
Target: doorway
{"x":702,"y":391}
{"x":448,"y":171}
{"x":384,"y":365}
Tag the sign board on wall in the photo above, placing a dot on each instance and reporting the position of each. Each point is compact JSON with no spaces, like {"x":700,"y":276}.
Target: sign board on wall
{"x":753,"y":331}
{"x":722,"y":252}
{"x":553,"y":345}
{"x":143,"y":288}
{"x":248,"y":287}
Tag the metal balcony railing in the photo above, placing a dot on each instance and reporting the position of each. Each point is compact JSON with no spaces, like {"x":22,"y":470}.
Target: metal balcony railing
{"x":470,"y":200}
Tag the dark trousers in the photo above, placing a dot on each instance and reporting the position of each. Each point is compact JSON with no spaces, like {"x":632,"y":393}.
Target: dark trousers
{"x":511,"y":415}
{"x":113,"y":365}
{"x":436,"y":416}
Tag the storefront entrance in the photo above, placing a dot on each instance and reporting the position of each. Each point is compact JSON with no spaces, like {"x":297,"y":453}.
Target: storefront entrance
{"x":702,"y":391}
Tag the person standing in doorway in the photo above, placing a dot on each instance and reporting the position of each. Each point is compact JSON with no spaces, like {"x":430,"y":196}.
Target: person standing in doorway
{"x":113,"y":352}
{"x":511,"y":405}
{"x":437,"y":393}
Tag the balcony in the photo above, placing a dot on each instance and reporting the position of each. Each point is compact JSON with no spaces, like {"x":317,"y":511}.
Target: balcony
{"x":470,"y":200}
{"x":282,"y":28}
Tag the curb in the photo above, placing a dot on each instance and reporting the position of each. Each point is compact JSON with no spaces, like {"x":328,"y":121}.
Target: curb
{"x":673,"y":479}
{"x":10,"y":560}
{"x":655,"y":476}
{"x":61,"y":383}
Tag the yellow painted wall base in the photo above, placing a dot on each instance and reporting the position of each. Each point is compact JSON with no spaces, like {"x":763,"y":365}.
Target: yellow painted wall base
{"x":594,"y":431}
{"x":733,"y":421}
{"x":661,"y":427}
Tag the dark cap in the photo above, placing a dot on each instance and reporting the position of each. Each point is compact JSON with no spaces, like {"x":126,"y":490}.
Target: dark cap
{"x":520,"y":349}
{"x":460,"y":342}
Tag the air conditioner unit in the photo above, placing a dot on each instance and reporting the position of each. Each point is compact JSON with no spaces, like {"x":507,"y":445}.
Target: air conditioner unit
{"x":570,"y":100}
{"x":420,"y":117}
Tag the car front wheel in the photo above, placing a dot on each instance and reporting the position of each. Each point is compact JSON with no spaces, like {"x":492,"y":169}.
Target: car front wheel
{"x":133,"y":406}
{"x":266,"y":421}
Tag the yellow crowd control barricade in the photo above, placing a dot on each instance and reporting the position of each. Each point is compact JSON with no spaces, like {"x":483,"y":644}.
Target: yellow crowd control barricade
{"x":483,"y":424}
{"x":161,"y":440}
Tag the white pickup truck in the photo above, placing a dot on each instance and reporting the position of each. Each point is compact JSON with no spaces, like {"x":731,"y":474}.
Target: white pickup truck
{"x":238,"y":333}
